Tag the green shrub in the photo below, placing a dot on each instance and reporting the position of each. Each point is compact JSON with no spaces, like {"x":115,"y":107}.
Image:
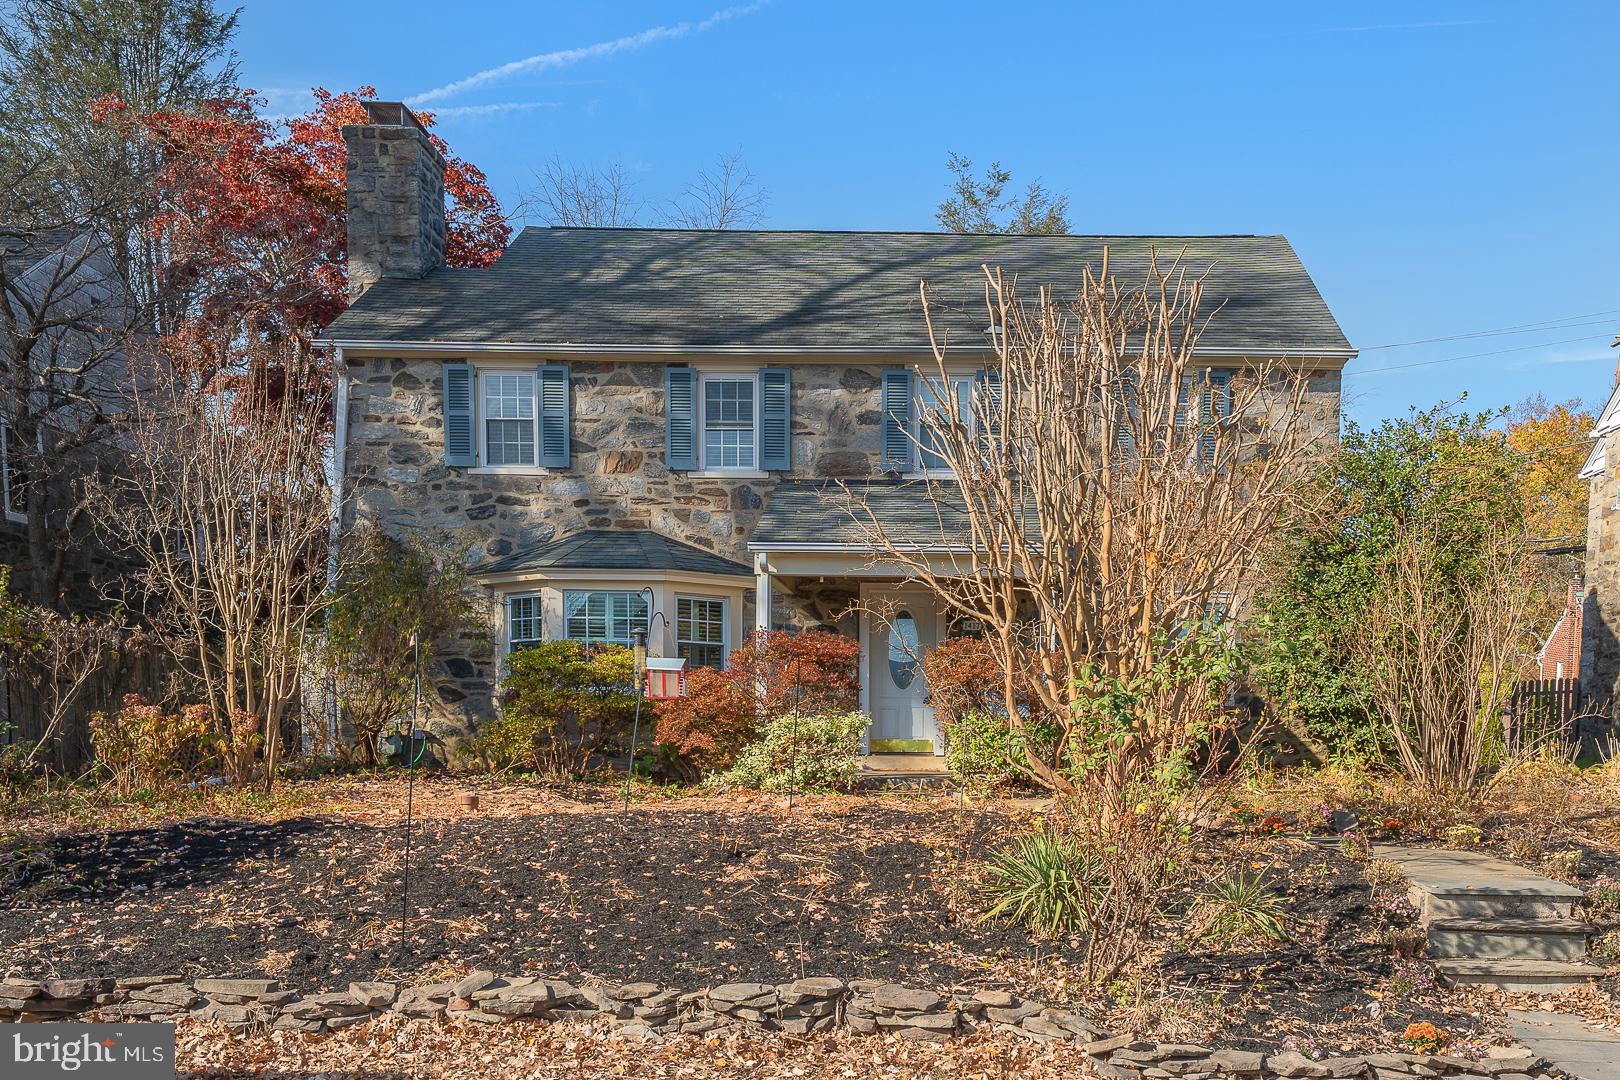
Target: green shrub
{"x":390,"y":593}
{"x":1042,"y":882}
{"x":1238,"y":907}
{"x":562,"y":702}
{"x":982,"y":750}
{"x":804,"y":753}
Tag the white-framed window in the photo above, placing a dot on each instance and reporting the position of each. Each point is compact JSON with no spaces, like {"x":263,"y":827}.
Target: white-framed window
{"x":523,"y":622}
{"x":729,"y":415}
{"x":700,"y":631}
{"x":510,"y":428}
{"x":951,"y":396}
{"x":599,"y":618}
{"x":12,"y":500}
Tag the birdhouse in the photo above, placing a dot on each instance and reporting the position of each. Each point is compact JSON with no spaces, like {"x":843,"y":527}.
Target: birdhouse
{"x":666,"y":677}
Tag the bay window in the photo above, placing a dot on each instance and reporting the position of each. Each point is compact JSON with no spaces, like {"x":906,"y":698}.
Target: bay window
{"x":523,"y":625}
{"x":603,"y":618}
{"x":700,"y":631}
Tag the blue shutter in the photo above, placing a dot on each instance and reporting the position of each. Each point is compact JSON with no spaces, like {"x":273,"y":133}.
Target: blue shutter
{"x":897,"y":445}
{"x":987,"y":406}
{"x":680,"y":417}
{"x":775,"y":418}
{"x":552,"y":405}
{"x":459,"y":446}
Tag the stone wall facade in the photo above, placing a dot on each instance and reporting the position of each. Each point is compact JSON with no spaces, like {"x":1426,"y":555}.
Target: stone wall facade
{"x":396,"y":478}
{"x":1600,"y":604}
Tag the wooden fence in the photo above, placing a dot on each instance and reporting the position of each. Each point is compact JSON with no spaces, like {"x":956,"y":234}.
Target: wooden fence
{"x":1543,"y":714}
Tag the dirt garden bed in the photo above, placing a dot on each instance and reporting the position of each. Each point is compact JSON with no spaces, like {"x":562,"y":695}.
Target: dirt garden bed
{"x":686,"y":892}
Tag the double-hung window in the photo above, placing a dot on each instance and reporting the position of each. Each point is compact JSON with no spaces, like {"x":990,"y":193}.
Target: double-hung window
{"x":939,"y":402}
{"x":509,"y":418}
{"x":730,"y":422}
{"x":523,"y":626}
{"x":603,"y":618}
{"x":700,"y":631}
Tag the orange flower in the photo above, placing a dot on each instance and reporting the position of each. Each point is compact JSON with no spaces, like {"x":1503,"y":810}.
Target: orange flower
{"x":1424,"y":1038}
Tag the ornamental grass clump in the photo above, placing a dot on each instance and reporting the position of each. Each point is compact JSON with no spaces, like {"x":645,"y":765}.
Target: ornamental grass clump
{"x":1106,"y":880}
{"x":1043,"y":882}
{"x":1239,"y":907}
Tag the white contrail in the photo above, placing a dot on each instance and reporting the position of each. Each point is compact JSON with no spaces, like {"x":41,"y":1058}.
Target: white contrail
{"x":452,"y":111}
{"x":566,"y":57}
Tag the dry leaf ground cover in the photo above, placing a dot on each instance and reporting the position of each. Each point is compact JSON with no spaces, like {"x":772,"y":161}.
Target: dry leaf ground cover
{"x":684,"y":891}
{"x":447,"y":1050}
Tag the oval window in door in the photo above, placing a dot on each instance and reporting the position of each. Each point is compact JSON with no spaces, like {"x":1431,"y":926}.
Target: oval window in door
{"x":903,"y":651}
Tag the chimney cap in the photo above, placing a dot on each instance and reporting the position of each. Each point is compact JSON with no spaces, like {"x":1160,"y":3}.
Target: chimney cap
{"x":391,"y":114}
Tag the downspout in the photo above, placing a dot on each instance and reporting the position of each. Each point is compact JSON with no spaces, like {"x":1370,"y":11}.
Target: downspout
{"x":340,"y":447}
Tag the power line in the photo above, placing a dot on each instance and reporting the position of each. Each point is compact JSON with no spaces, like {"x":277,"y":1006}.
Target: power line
{"x":1517,"y":328}
{"x":1471,"y":356}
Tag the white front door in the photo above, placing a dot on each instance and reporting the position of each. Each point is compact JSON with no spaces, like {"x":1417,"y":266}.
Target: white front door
{"x":901,"y":625}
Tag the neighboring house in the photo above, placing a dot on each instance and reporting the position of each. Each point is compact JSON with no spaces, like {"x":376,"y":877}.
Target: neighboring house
{"x":68,"y":302}
{"x":1560,"y":656}
{"x":642,"y":424}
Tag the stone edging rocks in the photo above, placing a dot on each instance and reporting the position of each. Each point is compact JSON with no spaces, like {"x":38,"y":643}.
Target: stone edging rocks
{"x":644,"y":1010}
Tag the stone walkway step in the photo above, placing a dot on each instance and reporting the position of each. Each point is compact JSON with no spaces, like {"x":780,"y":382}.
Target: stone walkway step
{"x":1488,"y":922}
{"x":1500,"y":939}
{"x":1572,"y":1045}
{"x":1470,"y":884}
{"x":1518,"y":976}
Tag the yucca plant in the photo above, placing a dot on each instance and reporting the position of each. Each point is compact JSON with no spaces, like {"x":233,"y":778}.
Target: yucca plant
{"x":1044,"y":882}
{"x":1238,"y":906}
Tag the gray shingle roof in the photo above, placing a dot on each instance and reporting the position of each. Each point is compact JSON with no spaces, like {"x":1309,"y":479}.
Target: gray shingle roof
{"x":815,"y":513}
{"x":849,"y":291}
{"x":614,"y":549}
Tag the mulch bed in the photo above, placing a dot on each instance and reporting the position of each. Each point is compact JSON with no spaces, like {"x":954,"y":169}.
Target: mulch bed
{"x":684,"y":893}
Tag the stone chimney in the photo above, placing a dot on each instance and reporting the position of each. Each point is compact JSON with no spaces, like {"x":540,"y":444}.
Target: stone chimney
{"x":395,"y":197}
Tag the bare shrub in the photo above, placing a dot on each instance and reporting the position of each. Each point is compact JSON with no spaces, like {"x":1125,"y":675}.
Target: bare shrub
{"x":1442,"y":651}
{"x":1106,"y":499}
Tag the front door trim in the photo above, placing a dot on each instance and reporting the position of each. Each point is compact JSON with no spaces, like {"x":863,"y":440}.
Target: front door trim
{"x":873,"y":590}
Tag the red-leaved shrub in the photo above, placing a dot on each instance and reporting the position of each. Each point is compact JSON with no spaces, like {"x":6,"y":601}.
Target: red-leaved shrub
{"x":770,"y":674}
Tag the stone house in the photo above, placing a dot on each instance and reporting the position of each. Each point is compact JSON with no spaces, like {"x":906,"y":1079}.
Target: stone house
{"x":638,"y":426}
{"x":1600,"y":605}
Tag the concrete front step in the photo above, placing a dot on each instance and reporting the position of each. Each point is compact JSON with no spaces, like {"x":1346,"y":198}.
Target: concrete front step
{"x":1508,"y":939}
{"x":1518,"y":976}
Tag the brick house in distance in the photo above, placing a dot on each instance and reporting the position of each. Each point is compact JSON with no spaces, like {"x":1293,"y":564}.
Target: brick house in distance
{"x":639,"y":426}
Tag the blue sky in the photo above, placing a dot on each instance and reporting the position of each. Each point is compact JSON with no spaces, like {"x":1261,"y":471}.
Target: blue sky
{"x":1441,"y":168}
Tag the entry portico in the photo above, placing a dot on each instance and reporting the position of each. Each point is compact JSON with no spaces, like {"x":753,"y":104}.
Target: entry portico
{"x":815,"y":534}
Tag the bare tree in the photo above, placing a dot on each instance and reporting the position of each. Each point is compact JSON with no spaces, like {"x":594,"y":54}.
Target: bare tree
{"x":726,"y":197}
{"x":1442,"y":650}
{"x":223,"y":502}
{"x":1107,"y":496}
{"x":583,"y":197}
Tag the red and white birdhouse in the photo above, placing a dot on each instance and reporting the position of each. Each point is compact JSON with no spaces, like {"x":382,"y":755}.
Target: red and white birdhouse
{"x":666,"y":677}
